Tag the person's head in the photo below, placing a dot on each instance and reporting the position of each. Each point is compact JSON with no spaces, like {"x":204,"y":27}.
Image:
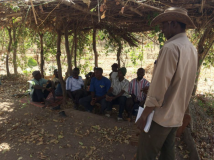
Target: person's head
{"x":114,"y":67}
{"x":98,"y":73}
{"x":56,"y":73}
{"x":174,"y":20}
{"x":95,"y":68}
{"x":140,"y":73}
{"x":37,"y":75}
{"x":122,"y":72}
{"x":171,"y":28}
{"x":75,"y":73}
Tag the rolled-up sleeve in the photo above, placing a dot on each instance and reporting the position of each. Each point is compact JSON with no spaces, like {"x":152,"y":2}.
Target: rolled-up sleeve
{"x":164,"y":71}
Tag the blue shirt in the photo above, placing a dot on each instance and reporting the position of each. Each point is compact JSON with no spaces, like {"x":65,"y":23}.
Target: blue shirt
{"x":100,"y":87}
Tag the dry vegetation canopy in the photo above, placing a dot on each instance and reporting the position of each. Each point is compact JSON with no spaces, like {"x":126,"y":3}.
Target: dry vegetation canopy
{"x":117,"y":15}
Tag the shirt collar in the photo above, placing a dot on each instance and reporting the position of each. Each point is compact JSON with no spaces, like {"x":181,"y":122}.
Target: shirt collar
{"x":140,"y":80}
{"x":119,"y":80}
{"x":176,"y":36}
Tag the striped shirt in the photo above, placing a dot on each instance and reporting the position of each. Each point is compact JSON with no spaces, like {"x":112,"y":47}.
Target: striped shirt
{"x":73,"y":84}
{"x":135,"y":87}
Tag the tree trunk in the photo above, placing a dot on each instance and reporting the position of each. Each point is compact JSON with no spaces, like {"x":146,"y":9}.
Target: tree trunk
{"x":95,"y":47}
{"x":72,"y":54}
{"x":14,"y":51}
{"x":59,"y":34}
{"x":8,"y":51}
{"x":204,"y":45}
{"x":119,"y":50}
{"x":75,"y":48}
{"x":41,"y":54}
{"x":67,"y":51}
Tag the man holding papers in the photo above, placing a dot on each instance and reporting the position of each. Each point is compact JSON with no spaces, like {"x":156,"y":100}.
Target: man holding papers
{"x":171,"y":87}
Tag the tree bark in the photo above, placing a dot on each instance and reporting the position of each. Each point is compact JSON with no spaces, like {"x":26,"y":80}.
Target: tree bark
{"x":119,"y":50}
{"x":72,"y":54}
{"x":41,"y":54}
{"x":8,"y":51}
{"x":95,"y":47}
{"x":14,"y":51}
{"x":67,"y":51}
{"x":204,"y":45}
{"x":75,"y":48}
{"x":59,"y":35}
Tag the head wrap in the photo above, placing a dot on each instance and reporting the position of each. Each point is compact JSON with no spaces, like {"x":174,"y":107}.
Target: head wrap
{"x":123,"y":70}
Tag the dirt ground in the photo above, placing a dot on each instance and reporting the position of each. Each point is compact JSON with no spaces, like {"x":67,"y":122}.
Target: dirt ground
{"x":29,"y":132}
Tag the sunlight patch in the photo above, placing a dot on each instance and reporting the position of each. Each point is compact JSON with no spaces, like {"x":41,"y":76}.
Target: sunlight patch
{"x":4,"y":147}
{"x":6,"y":106}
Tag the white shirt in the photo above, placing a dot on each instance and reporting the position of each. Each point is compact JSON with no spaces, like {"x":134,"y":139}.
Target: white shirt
{"x":119,"y":86}
{"x":73,"y":84}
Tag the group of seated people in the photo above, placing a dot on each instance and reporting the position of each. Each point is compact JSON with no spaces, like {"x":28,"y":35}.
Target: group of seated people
{"x":96,"y":89}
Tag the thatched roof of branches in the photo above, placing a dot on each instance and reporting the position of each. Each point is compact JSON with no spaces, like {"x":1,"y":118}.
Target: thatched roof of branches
{"x":120,"y":17}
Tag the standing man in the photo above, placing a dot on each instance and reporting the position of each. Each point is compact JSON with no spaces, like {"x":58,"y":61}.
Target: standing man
{"x":136,"y":88}
{"x":99,"y":87}
{"x":171,"y":87}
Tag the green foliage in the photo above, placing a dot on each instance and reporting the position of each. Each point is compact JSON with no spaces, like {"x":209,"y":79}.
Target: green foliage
{"x":209,"y":59}
{"x":32,"y":62}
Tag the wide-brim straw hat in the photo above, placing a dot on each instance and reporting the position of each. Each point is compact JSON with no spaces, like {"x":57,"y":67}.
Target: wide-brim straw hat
{"x":174,"y":14}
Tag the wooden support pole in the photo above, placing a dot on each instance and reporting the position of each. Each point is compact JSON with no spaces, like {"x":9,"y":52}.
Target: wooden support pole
{"x":75,"y":47}
{"x":95,"y":48}
{"x":33,"y":9}
{"x":68,"y":53}
{"x":59,"y":35}
{"x":41,"y":54}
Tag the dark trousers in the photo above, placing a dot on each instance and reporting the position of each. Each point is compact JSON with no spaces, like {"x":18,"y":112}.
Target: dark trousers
{"x":157,"y":139}
{"x":131,"y":105}
{"x":121,"y":101}
{"x":76,"y":95}
{"x":86,"y":103}
{"x":39,"y":96}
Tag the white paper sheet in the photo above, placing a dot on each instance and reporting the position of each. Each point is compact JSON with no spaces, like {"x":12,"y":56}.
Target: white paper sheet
{"x":149,"y":119}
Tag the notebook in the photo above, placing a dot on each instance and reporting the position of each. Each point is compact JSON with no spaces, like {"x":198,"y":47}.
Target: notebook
{"x":149,"y":119}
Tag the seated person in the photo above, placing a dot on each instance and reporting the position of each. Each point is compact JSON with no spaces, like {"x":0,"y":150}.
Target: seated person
{"x":87,"y":81}
{"x":138,"y":88}
{"x":38,"y":92}
{"x":114,"y":72}
{"x":99,"y":87}
{"x":118,"y":93}
{"x":74,"y":87}
{"x":58,"y":88}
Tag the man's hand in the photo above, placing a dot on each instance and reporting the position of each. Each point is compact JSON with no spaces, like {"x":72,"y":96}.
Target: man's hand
{"x":109,"y":99}
{"x":145,"y":89}
{"x":141,"y":123}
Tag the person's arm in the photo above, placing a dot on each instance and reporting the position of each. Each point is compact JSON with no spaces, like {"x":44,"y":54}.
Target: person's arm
{"x":165,"y":70}
{"x":125,"y":89}
{"x":38,"y":87}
